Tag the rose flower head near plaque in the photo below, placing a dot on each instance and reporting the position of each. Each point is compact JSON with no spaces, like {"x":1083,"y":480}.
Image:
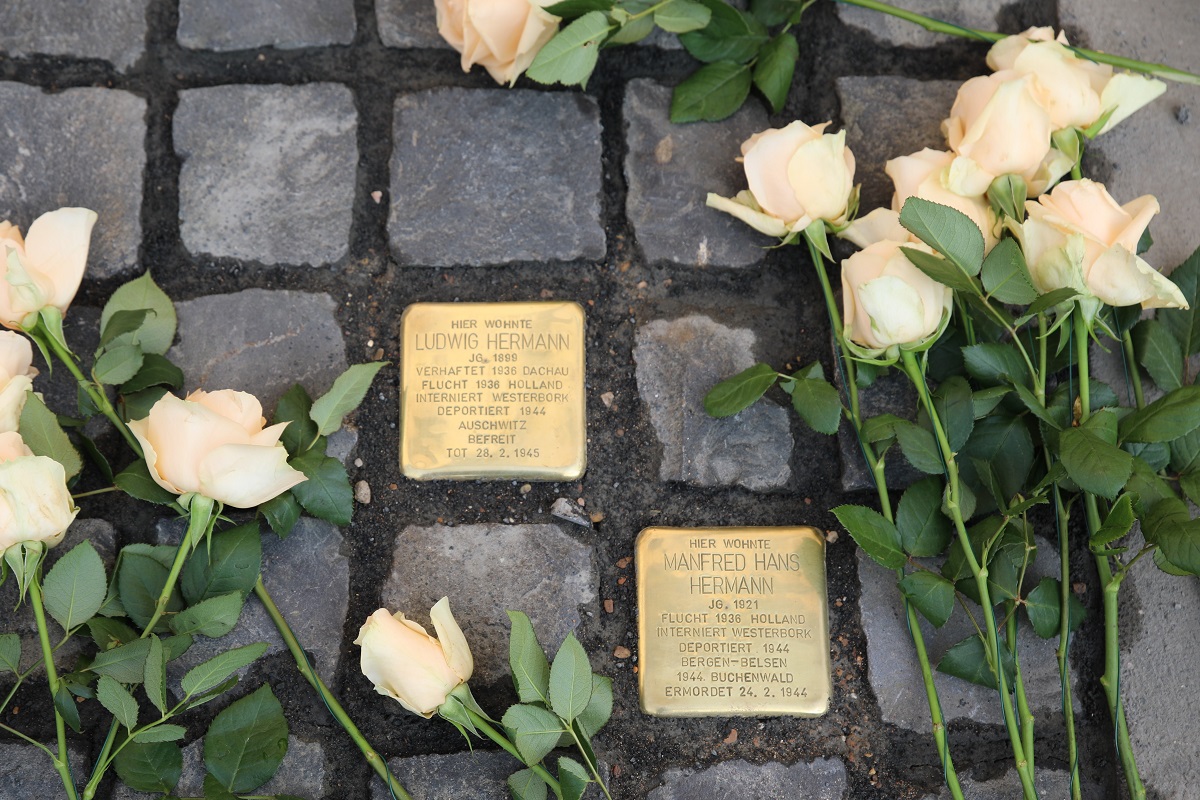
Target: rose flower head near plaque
{"x":982,"y":285}
{"x":562,"y":704}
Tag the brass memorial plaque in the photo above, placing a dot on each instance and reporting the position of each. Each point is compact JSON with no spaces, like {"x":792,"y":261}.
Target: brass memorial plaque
{"x":492,"y":390}
{"x":732,"y":621}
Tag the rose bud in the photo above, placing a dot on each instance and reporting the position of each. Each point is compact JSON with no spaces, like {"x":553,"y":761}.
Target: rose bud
{"x":35,"y":504}
{"x":888,"y":303}
{"x":16,"y":378}
{"x":44,"y":268}
{"x":502,"y":36}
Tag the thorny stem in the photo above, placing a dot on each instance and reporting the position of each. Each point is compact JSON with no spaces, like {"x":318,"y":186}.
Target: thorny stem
{"x":500,"y":739}
{"x":200,"y":513}
{"x":61,"y":761}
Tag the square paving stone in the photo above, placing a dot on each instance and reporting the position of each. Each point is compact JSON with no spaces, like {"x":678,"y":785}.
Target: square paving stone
{"x":490,"y":176}
{"x":485,"y":569}
{"x":672,"y":168}
{"x":114,"y":30}
{"x":408,"y":23}
{"x":894,"y":31}
{"x":53,"y":156}
{"x":268,"y":172}
{"x":27,"y":772}
{"x":239,"y":24}
{"x":823,"y":779}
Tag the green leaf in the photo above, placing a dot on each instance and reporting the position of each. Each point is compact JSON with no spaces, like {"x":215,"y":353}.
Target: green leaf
{"x":941,"y":270}
{"x":140,"y":580}
{"x":570,"y":679}
{"x":327,"y":493}
{"x":919,"y":447}
{"x":1035,"y":407}
{"x":995,"y":364}
{"x":149,"y":766}
{"x":43,"y":435}
{"x":155,"y":674}
{"x":1169,"y":417}
{"x":573,"y":778}
{"x":924,"y":530}
{"x":231,"y":563}
{"x":282,"y":513}
{"x":1006,"y":275}
{"x":954,"y":405}
{"x":711,"y":93}
{"x":873,"y":533}
{"x":1184,"y":324}
{"x":947,"y":230}
{"x":213,"y":672}
{"x":295,"y":408}
{"x":247,"y":741}
{"x":136,"y":482}
{"x":741,"y":391}
{"x":137,"y":405}
{"x":161,"y":733}
{"x":211,"y":694}
{"x":730,"y":35}
{"x":117,"y":699}
{"x":65,"y":704}
{"x":775,"y":68}
{"x":1189,"y":484}
{"x":156,"y":371}
{"x":1159,"y":352}
{"x":344,"y":396}
{"x":158,"y":331}
{"x":968,"y":660}
{"x":213,"y":617}
{"x":1005,"y":442}
{"x":1180,"y":544}
{"x":10,"y":653}
{"x":931,"y":594}
{"x":120,"y":323}
{"x":526,"y":785}
{"x":681,"y":16}
{"x":1048,"y":301}
{"x":571,"y":55}
{"x":1118,"y":522}
{"x":75,"y":587}
{"x":118,"y":364}
{"x":633,"y":29}
{"x":817,"y":403}
{"x":599,"y":707}
{"x":124,"y":664}
{"x":1097,"y":466}
{"x":94,"y":455}
{"x":1043,"y":605}
{"x":530,"y":668}
{"x":570,"y":9}
{"x":533,"y":730}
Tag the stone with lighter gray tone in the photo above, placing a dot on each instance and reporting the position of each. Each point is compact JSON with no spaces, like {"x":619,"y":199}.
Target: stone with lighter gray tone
{"x":26,"y":771}
{"x":1049,"y":784}
{"x":268,"y":172}
{"x":485,"y":569}
{"x":308,"y":577}
{"x":678,"y":361}
{"x":672,"y":168}
{"x":895,"y":673}
{"x":286,"y":24}
{"x":823,"y":779}
{"x":894,"y":31}
{"x":261,"y":342}
{"x":301,"y":773}
{"x":454,"y":198}
{"x":114,"y":31}
{"x":1152,"y":152}
{"x":892,"y":393}
{"x":408,"y":23}
{"x":481,"y":775}
{"x":53,"y":157}
{"x":887,"y":117}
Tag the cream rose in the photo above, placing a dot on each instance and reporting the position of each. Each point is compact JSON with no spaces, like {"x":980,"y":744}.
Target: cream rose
{"x":35,"y":504}
{"x":888,"y":303}
{"x":214,"y":444}
{"x":502,"y":36}
{"x":1078,"y":237}
{"x":1074,"y":91}
{"x":45,"y":267}
{"x":998,"y":126}
{"x":16,"y":378}
{"x":797,"y":175}
{"x":408,"y":665}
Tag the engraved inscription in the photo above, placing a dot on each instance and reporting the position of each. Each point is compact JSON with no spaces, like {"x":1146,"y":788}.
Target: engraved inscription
{"x":492,"y":390}
{"x":733,"y":622}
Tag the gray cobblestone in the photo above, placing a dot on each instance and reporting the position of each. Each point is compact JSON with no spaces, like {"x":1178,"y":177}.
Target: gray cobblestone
{"x":678,"y":361}
{"x":453,"y":178}
{"x":486,"y":569}
{"x":892,"y":393}
{"x":268,"y":341}
{"x":53,"y":157}
{"x":891,"y":30}
{"x":239,"y":24}
{"x":268,"y":172}
{"x":408,"y":23}
{"x":823,"y":779}
{"x":464,"y":776}
{"x":26,"y":772}
{"x":672,"y":168}
{"x":1050,"y":784}
{"x":114,"y":31}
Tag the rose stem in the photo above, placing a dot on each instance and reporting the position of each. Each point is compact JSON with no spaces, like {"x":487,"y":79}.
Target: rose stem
{"x":501,"y":740}
{"x":1111,"y":679}
{"x":61,"y":761}
{"x":200,"y":513}
{"x":373,"y":758}
{"x":1024,"y":770}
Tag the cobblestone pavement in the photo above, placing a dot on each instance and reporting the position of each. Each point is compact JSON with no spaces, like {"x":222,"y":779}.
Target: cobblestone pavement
{"x":296,"y":172}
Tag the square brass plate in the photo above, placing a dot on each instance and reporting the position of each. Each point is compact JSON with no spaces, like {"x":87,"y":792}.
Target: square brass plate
{"x":492,"y":391}
{"x":732,"y":622}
